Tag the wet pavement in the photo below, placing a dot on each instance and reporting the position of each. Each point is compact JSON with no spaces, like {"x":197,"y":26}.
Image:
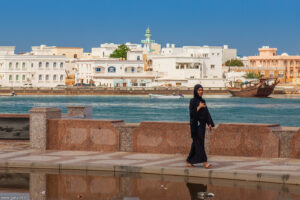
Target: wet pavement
{"x":278,"y":170}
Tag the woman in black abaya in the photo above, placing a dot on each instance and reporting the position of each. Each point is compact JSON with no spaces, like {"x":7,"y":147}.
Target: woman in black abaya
{"x":199,"y":118}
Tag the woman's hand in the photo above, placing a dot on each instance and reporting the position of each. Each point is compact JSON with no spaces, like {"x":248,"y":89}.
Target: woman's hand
{"x":210,"y":128}
{"x":201,"y":105}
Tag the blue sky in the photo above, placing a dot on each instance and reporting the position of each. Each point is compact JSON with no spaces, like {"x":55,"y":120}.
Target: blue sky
{"x":242,"y":24}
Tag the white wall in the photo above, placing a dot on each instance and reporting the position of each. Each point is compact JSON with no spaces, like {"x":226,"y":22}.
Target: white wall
{"x":39,"y":71}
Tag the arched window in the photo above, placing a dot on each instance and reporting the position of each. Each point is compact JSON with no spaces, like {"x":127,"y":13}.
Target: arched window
{"x":47,"y":77}
{"x":111,"y":69}
{"x":99,"y":69}
{"x":17,"y":65}
{"x":47,"y":64}
{"x":23,"y":65}
{"x":40,"y":77}
{"x":40,"y":64}
{"x":23,"y":77}
{"x":54,"y":77}
{"x":61,"y":77}
{"x":10,"y":65}
{"x":54,"y":65}
{"x":10,"y":77}
{"x":17,"y":77}
{"x":61,"y":65}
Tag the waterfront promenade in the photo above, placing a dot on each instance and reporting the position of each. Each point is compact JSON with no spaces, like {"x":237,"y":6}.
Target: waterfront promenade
{"x":18,"y":155}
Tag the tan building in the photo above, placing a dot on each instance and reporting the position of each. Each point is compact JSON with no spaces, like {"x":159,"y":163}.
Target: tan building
{"x":268,"y":58}
{"x":69,"y":52}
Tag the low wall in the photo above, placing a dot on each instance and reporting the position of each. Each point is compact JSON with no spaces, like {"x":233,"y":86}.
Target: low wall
{"x":14,"y":126}
{"x":83,"y":134}
{"x":50,"y":130}
{"x":256,"y":140}
{"x":253,"y":140}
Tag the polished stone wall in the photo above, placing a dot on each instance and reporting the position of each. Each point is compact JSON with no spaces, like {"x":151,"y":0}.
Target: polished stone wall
{"x":14,"y":126}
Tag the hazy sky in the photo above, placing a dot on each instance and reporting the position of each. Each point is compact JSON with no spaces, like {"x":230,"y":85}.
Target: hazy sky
{"x":242,"y":24}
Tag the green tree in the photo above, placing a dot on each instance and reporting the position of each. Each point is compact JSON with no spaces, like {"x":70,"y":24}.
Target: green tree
{"x":120,"y":52}
{"x":234,"y":62}
{"x":253,"y":75}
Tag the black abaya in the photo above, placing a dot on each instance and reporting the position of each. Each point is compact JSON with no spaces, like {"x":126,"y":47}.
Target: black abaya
{"x":198,"y":121}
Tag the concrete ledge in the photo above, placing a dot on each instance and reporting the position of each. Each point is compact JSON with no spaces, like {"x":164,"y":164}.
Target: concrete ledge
{"x":282,"y":178}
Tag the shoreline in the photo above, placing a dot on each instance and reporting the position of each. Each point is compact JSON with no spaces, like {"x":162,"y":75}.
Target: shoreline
{"x":121,"y":91}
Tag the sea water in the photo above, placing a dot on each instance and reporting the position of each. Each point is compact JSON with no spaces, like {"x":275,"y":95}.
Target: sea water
{"x":134,"y":109}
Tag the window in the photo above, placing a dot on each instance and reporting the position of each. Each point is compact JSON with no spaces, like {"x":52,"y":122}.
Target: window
{"x":47,"y":77}
{"x":10,"y":65}
{"x":138,"y":58}
{"x":47,"y":64}
{"x":40,"y":77}
{"x":17,"y":65}
{"x":54,"y":65}
{"x":10,"y":77}
{"x":17,"y":77}
{"x":31,"y":65}
{"x":143,"y":84}
{"x":98,"y":69}
{"x":111,"y":69}
{"x":280,"y":75}
{"x":61,"y":65}
{"x":177,"y":66}
{"x":54,"y":77}
{"x":212,"y":66}
{"x":132,"y":69}
{"x":271,"y":75}
{"x":61,"y":77}
{"x":23,"y":77}
{"x":40,"y":64}
{"x":23,"y":65}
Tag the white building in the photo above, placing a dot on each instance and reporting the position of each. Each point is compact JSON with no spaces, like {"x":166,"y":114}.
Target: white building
{"x":189,"y":65}
{"x":113,"y":73}
{"x":104,"y":51}
{"x":34,"y":70}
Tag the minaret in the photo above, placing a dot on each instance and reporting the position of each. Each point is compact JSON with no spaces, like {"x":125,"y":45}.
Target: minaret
{"x":147,"y":42}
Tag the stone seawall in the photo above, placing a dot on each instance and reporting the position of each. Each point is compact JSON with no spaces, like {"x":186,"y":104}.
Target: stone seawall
{"x":122,"y":91}
{"x":106,"y":91}
{"x":49,"y":129}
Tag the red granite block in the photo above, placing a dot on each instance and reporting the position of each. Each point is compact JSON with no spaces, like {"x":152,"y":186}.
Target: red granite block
{"x":82,"y":134}
{"x":295,"y":145}
{"x":162,"y":137}
{"x":255,"y":140}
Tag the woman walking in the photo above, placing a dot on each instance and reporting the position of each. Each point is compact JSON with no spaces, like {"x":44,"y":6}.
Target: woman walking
{"x":199,"y":118}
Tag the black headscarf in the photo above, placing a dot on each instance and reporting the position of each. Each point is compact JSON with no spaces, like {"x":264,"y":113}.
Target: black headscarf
{"x":196,"y":88}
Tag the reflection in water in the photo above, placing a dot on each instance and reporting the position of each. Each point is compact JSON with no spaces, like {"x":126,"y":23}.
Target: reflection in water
{"x":110,"y":186}
{"x":196,"y":189}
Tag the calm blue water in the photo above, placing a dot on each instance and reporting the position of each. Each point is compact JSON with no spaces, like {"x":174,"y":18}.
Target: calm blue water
{"x":282,"y":110}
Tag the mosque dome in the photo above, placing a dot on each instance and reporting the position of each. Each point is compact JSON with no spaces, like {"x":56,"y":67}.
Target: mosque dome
{"x":285,"y":54}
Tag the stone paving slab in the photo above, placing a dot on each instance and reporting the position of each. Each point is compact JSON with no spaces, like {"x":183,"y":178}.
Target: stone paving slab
{"x":276,"y":170}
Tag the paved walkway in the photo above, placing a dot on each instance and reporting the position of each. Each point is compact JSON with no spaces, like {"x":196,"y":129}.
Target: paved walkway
{"x":239,"y":168}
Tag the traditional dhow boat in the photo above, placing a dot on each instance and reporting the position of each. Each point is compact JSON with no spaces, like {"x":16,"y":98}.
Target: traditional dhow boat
{"x":260,"y":88}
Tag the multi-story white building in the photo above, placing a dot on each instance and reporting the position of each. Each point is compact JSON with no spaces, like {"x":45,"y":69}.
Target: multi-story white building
{"x":113,"y":73}
{"x":189,"y":65}
{"x":33,"y":70}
